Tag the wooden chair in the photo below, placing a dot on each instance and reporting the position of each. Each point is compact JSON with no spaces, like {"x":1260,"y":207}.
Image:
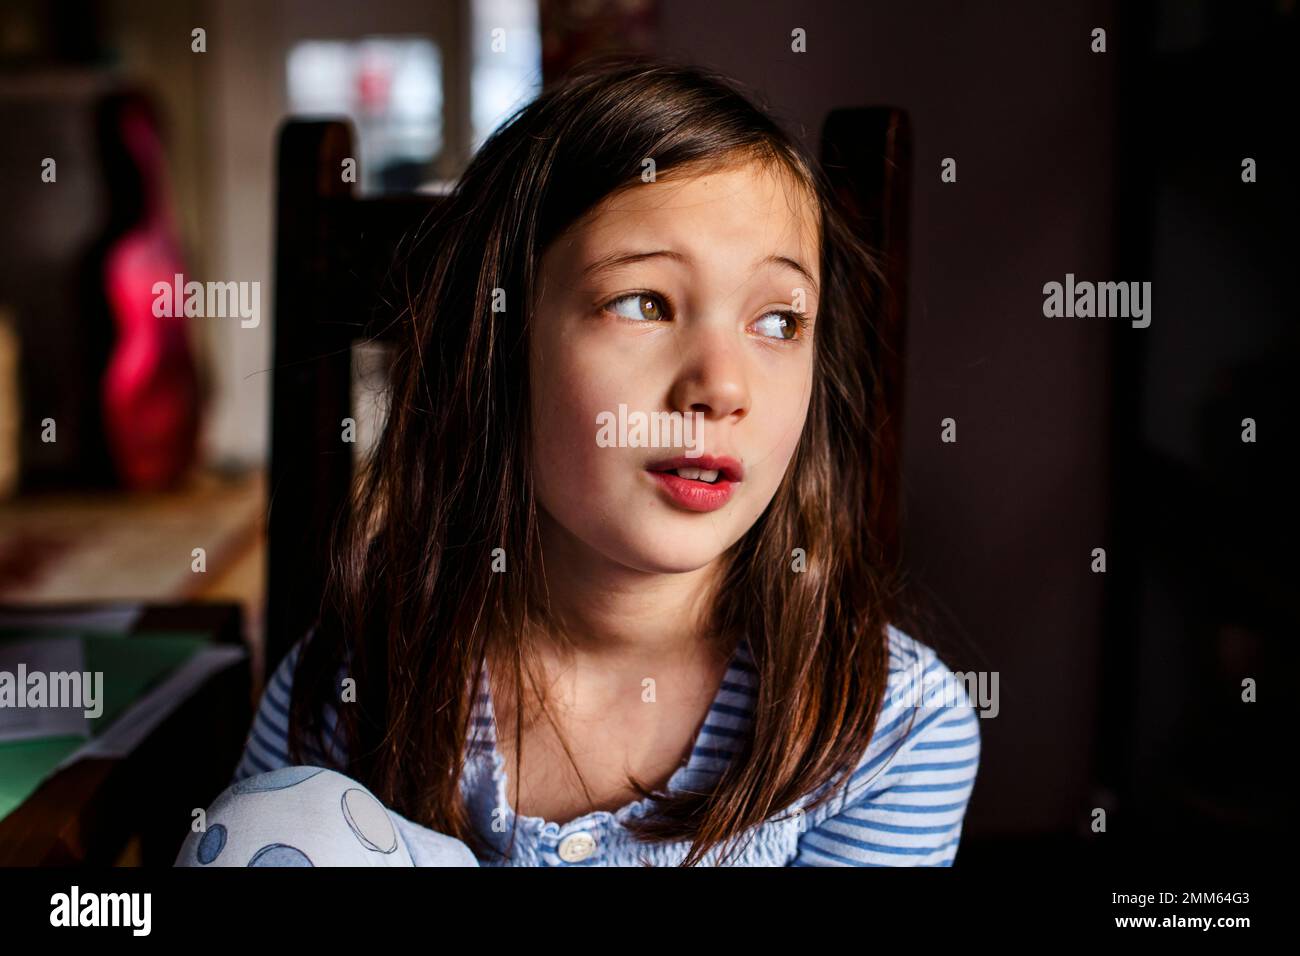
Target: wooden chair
{"x":335,"y":258}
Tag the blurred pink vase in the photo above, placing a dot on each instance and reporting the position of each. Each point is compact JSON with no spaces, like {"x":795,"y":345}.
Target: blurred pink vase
{"x":150,"y":386}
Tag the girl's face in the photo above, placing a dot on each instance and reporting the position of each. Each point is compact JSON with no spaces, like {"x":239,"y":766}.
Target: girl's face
{"x":675,"y":296}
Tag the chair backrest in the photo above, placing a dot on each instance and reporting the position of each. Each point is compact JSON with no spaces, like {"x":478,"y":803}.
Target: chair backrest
{"x":335,"y":256}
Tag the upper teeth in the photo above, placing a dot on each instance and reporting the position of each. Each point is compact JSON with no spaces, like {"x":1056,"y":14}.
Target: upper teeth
{"x":698,"y":474}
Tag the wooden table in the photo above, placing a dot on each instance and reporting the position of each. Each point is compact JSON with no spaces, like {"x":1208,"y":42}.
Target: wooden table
{"x":114,"y":545}
{"x":89,"y":546}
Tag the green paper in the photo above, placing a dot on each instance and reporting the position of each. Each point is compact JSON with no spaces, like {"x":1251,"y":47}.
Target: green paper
{"x":130,"y":670}
{"x":24,"y":764}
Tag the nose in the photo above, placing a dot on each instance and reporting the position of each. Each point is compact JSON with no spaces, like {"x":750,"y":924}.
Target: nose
{"x":712,"y":378}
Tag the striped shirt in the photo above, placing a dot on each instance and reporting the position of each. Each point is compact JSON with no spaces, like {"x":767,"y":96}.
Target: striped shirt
{"x":904,"y":804}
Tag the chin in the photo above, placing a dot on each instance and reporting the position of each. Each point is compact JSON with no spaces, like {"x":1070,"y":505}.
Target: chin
{"x":674,"y":551}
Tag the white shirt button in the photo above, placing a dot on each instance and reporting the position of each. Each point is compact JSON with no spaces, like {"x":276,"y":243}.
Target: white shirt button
{"x":576,"y":847}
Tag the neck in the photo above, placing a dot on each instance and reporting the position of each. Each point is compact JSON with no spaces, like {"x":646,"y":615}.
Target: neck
{"x":619,"y":625}
{"x":615,"y":616}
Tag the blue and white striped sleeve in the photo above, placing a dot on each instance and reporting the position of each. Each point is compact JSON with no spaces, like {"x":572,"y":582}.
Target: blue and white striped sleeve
{"x":267,"y":745}
{"x":906,"y":800}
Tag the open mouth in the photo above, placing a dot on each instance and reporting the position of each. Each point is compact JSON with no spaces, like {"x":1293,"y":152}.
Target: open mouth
{"x":697,"y":474}
{"x":708,"y":469}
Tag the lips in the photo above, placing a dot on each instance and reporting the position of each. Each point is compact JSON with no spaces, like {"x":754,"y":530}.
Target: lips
{"x":684,"y":481}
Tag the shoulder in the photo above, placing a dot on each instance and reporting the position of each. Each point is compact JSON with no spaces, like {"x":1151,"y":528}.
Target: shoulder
{"x":267,"y":745}
{"x":928,"y":724}
{"x":905,"y":799}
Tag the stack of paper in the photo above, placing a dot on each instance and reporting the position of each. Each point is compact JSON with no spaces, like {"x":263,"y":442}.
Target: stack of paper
{"x":64,"y":696}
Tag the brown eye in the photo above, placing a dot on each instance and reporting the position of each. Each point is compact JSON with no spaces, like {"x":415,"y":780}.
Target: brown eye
{"x":779,"y":325}
{"x":638,"y":306}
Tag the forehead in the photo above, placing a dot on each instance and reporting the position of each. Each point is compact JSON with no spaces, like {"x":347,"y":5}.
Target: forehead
{"x":709,"y":214}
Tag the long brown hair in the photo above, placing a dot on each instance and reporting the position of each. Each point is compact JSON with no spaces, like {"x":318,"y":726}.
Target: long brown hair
{"x":411,"y":602}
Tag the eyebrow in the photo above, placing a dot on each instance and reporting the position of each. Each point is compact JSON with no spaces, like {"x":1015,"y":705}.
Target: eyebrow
{"x":626,"y":258}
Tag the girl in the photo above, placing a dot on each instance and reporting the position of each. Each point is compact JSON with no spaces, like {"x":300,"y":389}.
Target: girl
{"x":544,"y":647}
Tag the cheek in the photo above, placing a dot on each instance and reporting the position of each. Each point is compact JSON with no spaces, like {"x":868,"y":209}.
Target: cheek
{"x":785,"y":410}
{"x":570,"y":390}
